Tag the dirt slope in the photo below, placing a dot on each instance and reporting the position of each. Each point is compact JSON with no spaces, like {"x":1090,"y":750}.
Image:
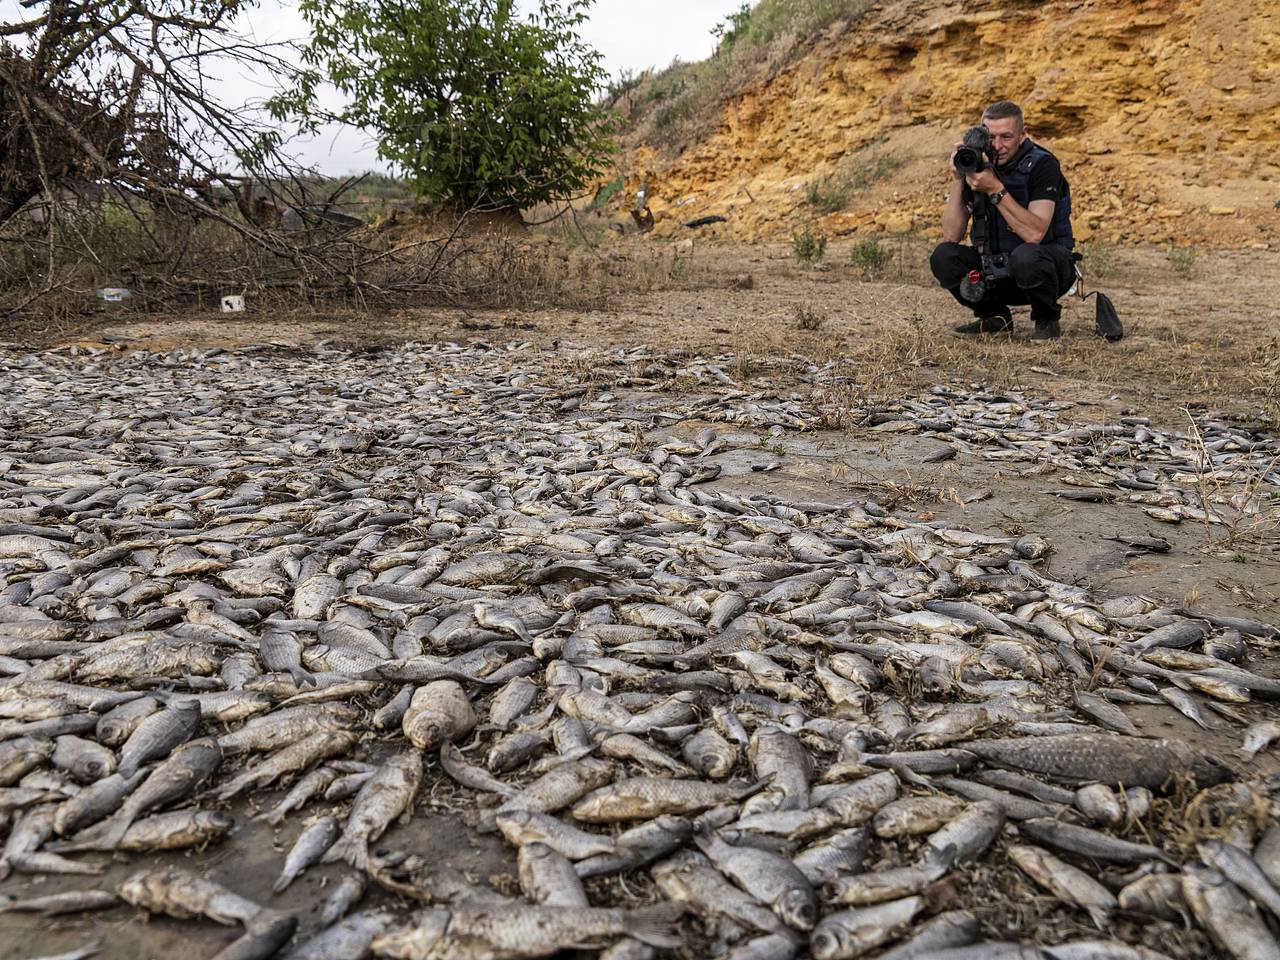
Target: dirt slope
{"x":1165,"y":113}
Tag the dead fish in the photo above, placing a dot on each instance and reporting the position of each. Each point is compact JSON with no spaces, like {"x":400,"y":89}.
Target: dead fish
{"x":515,"y":930}
{"x":1226,"y":913}
{"x":1091,"y":843}
{"x":346,"y":894}
{"x":177,"y":893}
{"x":1065,"y":882}
{"x":157,"y":734}
{"x":770,"y":878}
{"x":166,"y":831}
{"x":438,"y":712}
{"x":69,"y":901}
{"x":547,"y":877}
{"x":177,"y":777}
{"x":469,"y":775}
{"x":827,"y":859}
{"x":85,"y":760}
{"x":311,"y":844}
{"x":1104,"y":758}
{"x":642,"y":798}
{"x":296,"y":756}
{"x":952,"y":928}
{"x":388,"y":794}
{"x":914,"y":815}
{"x":853,"y":933}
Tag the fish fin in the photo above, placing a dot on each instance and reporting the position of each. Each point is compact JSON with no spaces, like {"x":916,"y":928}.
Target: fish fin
{"x":302,"y":678}
{"x":653,"y":924}
{"x":757,"y":787}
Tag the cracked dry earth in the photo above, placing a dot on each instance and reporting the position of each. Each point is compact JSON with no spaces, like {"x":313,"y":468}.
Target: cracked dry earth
{"x":497,"y":651}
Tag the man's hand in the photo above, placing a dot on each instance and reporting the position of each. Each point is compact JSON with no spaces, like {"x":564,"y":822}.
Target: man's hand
{"x":952,"y":162}
{"x":984,"y":181}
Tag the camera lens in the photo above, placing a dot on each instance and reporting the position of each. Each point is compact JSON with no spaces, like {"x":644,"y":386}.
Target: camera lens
{"x":967,"y":160}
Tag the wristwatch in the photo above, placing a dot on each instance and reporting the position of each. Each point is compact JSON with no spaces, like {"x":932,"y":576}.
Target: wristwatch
{"x":998,"y":196}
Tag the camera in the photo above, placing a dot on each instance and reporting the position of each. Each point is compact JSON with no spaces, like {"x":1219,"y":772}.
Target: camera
{"x":995,"y":267}
{"x":976,"y":154}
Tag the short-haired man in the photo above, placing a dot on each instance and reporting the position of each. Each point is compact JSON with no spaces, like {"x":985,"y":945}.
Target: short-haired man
{"x":1027,"y":219}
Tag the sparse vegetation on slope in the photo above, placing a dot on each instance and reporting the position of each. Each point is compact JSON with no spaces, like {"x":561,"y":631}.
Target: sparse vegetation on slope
{"x":678,"y":105}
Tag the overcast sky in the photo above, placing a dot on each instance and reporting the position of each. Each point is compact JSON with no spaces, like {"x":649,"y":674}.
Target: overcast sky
{"x":631,"y":35}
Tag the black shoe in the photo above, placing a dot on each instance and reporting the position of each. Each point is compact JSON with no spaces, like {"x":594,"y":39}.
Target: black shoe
{"x":995,"y":324}
{"x":1047,"y":330}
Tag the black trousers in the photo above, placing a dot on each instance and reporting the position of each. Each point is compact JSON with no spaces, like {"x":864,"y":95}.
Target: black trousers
{"x":1040,"y":273}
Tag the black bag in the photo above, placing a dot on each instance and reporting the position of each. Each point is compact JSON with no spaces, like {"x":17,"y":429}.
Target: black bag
{"x":1106,"y":322}
{"x":1105,"y":319}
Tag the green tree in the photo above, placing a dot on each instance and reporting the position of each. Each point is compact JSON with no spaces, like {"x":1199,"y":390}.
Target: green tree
{"x":474,"y":104}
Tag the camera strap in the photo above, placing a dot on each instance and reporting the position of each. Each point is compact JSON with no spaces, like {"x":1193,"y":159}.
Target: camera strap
{"x":983,"y":228}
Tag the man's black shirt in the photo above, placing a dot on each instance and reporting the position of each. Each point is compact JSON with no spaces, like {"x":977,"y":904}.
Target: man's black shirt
{"x":1043,"y":183}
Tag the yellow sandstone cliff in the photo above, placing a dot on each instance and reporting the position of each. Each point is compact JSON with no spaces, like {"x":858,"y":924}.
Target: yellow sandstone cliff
{"x":1165,"y":114}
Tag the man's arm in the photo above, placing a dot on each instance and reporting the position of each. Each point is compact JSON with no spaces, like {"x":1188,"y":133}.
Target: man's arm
{"x":955,"y":215}
{"x":1031,"y":222}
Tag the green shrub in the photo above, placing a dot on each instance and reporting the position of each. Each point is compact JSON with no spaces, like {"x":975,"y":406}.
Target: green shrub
{"x":807,"y":246}
{"x":1182,"y":259}
{"x":869,"y":255}
{"x":827,"y":195}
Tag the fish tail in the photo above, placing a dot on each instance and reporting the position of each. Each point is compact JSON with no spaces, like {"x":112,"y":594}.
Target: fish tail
{"x":654,"y":924}
{"x":282,"y":883}
{"x":354,"y":850}
{"x":235,"y":786}
{"x":274,"y":817}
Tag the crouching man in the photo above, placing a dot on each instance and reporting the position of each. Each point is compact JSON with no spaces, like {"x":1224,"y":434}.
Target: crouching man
{"x":1019,"y":203}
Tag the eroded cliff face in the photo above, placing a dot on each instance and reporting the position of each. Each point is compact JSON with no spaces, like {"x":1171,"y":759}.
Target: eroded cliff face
{"x":1164,"y":113}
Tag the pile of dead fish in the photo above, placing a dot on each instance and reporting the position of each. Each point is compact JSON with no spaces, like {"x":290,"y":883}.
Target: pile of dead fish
{"x":1214,"y":471}
{"x":356,"y":578}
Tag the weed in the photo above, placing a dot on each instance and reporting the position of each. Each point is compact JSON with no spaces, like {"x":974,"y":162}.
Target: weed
{"x":806,"y":317}
{"x":1238,"y":556}
{"x":831,"y":193}
{"x":865,"y":171}
{"x":808,"y":246}
{"x":827,"y":195}
{"x":1182,"y":259}
{"x":869,"y":255}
